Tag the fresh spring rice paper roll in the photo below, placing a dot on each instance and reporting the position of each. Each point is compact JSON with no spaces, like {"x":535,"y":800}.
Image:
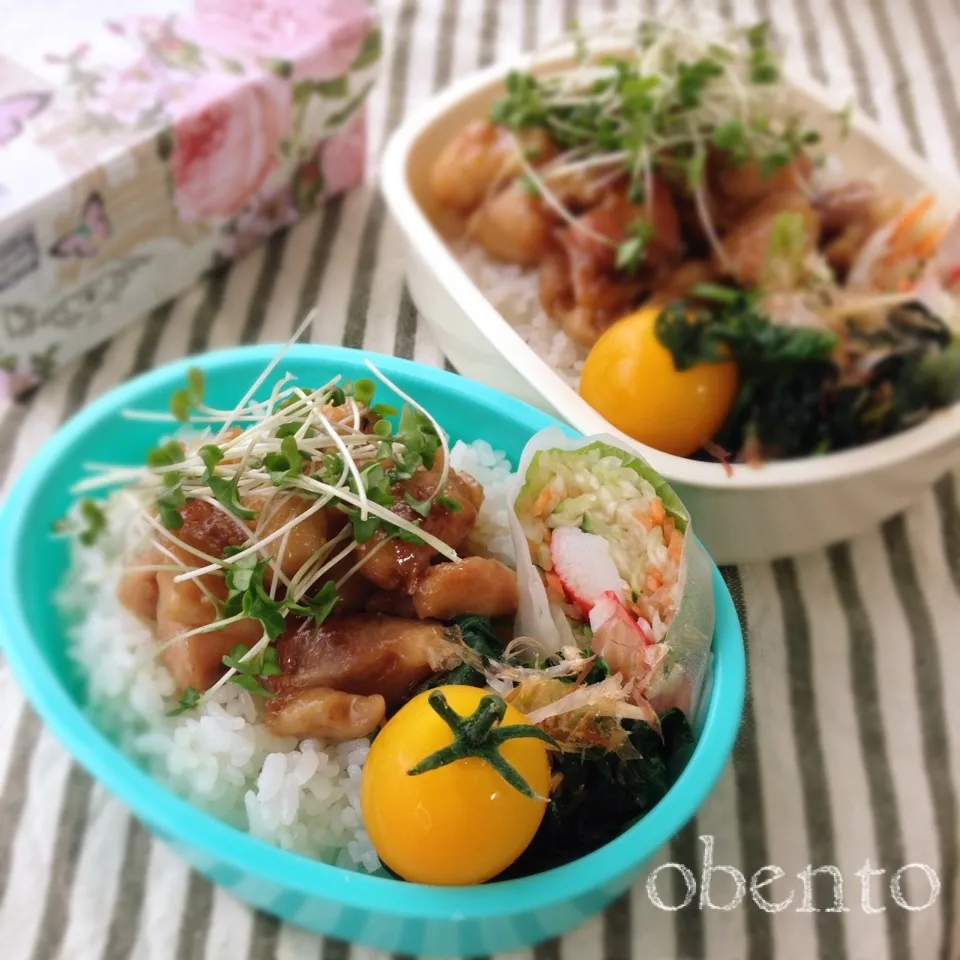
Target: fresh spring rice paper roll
{"x":622,"y":572}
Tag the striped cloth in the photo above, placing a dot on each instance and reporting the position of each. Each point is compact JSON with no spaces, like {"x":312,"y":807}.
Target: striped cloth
{"x":850,"y":749}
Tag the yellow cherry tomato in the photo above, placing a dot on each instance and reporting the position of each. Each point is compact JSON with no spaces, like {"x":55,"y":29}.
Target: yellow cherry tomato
{"x":460,"y":823}
{"x":630,"y":379}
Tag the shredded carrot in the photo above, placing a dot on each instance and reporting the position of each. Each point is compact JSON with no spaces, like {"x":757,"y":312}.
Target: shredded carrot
{"x":657,"y":513}
{"x":643,"y":517}
{"x":668,"y":529}
{"x":911,"y":217}
{"x":542,"y":502}
{"x":928,"y":244}
{"x":654,"y":579}
{"x":675,"y":546}
{"x":675,"y":550}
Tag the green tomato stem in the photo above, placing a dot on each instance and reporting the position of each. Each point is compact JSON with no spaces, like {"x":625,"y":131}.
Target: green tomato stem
{"x":480,"y":735}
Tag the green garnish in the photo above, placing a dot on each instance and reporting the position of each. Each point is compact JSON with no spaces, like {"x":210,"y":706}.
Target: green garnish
{"x":792,"y":400}
{"x":421,"y":507}
{"x":285,"y":446}
{"x":165,"y":456}
{"x":631,"y":253}
{"x":264,"y":664}
{"x":247,"y":595}
{"x":94,"y":522}
{"x":319,"y":607}
{"x":480,"y":735}
{"x":189,"y":700}
{"x":285,"y":465}
{"x":763,"y":64}
{"x":656,"y":110}
{"x":224,"y":490}
{"x":189,"y":397}
{"x":528,"y":185}
{"x":170,"y":501}
{"x":362,"y":391}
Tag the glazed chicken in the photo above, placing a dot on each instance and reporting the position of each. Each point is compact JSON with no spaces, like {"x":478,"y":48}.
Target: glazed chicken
{"x":337,"y":680}
{"x":180,"y":607}
{"x":324,"y":713}
{"x":399,"y":564}
{"x":513,"y":225}
{"x":478,"y":158}
{"x":580,"y":285}
{"x":747,"y":246}
{"x":364,"y":654}
{"x":475,"y":585}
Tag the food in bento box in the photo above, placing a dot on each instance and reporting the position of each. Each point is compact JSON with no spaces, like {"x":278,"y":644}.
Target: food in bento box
{"x":675,"y":232}
{"x":283,"y":583}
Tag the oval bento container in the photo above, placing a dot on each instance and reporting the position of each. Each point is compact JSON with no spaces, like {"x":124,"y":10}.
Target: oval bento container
{"x":377,"y":911}
{"x":754,"y":514}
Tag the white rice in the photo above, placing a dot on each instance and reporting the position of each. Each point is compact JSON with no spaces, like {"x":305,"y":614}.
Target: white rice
{"x":515,"y":293}
{"x":491,"y":469}
{"x":304,"y":796}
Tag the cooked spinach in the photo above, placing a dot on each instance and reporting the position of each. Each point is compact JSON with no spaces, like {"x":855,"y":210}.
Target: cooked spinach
{"x":601,"y":795}
{"x":794,"y":399}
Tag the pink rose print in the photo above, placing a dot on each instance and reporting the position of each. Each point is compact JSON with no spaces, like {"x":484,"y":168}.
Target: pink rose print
{"x":225,"y":141}
{"x":344,"y":155}
{"x":319,"y":37}
{"x":260,"y":220}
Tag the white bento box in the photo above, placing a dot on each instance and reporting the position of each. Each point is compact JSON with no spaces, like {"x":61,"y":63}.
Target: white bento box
{"x":755,"y":513}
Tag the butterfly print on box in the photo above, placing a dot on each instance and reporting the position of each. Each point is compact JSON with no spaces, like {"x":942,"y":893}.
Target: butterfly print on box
{"x":16,"y":110}
{"x":85,"y":238}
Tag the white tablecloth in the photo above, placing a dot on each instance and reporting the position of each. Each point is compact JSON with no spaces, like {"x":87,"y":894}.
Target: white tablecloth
{"x":850,"y":749}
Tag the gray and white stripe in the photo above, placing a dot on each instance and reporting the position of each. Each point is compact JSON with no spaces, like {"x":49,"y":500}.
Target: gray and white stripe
{"x":850,"y":748}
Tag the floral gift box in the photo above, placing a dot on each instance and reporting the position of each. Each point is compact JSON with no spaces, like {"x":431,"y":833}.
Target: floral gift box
{"x":142,"y":143}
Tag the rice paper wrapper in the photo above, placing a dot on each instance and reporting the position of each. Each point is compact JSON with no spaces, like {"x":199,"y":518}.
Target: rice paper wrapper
{"x":688,"y":638}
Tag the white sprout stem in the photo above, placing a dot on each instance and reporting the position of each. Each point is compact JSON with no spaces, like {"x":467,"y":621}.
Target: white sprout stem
{"x":278,"y":572}
{"x":706,"y":222}
{"x":161,"y":529}
{"x":317,"y":556}
{"x":272,"y":562}
{"x":441,"y":434}
{"x":349,"y":462}
{"x":270,"y":367}
{"x":329,"y":565}
{"x":204,"y":413}
{"x":212,"y":627}
{"x":254,"y":651}
{"x":551,"y":200}
{"x":363,"y":560}
{"x":382,"y":513}
{"x":258,"y":431}
{"x":204,"y":589}
{"x":274,"y":502}
{"x":156,"y":416}
{"x":254,"y":547}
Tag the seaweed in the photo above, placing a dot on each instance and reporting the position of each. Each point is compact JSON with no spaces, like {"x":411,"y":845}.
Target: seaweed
{"x":600,"y":795}
{"x":794,"y":399}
